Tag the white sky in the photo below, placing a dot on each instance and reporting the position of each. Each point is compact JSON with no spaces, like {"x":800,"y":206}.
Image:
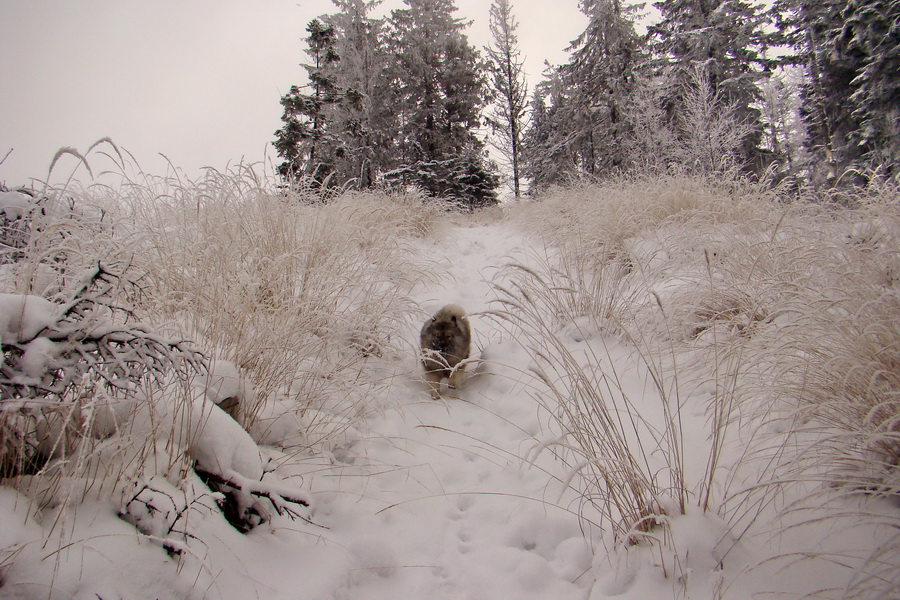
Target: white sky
{"x":196,"y":80}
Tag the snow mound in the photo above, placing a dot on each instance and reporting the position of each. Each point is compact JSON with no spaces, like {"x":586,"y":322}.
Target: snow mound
{"x":22,"y":317}
{"x":15,"y":205}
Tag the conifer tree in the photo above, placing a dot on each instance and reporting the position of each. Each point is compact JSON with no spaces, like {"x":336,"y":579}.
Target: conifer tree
{"x":507,"y":119}
{"x":547,"y":155}
{"x":851,"y":97}
{"x":306,"y":142}
{"x":363,"y":119}
{"x":600,"y":76}
{"x":580,"y":122}
{"x":728,"y":39}
{"x":811,"y":27}
{"x":871,"y":35}
{"x":440,"y":91}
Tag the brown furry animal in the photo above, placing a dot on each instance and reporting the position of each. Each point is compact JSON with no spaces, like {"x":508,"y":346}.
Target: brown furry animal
{"x":445,"y":341}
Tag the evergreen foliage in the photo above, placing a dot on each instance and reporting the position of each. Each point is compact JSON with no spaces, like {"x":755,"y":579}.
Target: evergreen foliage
{"x":307,"y":142}
{"x":871,"y":33}
{"x":601,"y":77}
{"x":468,"y":180}
{"x":397,"y":102}
{"x":400,"y":100}
{"x":547,"y":154}
{"x":364,"y":119}
{"x":809,"y":27}
{"x":850,"y":101}
{"x":579,"y":113}
{"x":440,"y":92}
{"x":728,"y":39}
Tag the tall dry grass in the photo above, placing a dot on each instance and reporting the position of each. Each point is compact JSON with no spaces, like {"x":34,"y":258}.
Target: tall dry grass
{"x":299,"y":293}
{"x":302,"y":295}
{"x":785,"y":306}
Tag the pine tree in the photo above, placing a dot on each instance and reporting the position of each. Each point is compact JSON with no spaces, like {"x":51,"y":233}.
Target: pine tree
{"x":440,"y":91}
{"x":547,"y":155}
{"x":363,"y":119}
{"x":580,"y":115}
{"x":811,"y":27}
{"x":871,"y":34}
{"x":729,"y":40}
{"x":306,"y":141}
{"x":600,"y":77}
{"x":507,"y":120}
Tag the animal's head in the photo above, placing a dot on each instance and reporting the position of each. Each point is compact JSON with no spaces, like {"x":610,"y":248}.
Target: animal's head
{"x":452,"y":314}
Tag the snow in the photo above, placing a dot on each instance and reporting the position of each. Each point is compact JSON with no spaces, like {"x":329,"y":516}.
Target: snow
{"x":22,"y":317}
{"x":39,"y":353}
{"x":15,"y":205}
{"x":460,"y":498}
{"x":218,"y":443}
{"x":223,"y":382}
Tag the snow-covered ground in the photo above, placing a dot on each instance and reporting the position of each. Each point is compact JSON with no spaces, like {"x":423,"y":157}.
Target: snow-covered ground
{"x":458,"y":498}
{"x":426,"y":499}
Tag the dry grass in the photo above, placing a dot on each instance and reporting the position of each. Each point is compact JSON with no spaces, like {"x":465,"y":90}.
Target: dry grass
{"x":602,"y":433}
{"x":599,"y":218}
{"x":304,"y":296}
{"x":298,"y":294}
{"x":788,"y":310}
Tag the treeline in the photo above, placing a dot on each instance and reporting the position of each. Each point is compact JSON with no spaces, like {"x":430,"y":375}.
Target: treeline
{"x":806,"y":89}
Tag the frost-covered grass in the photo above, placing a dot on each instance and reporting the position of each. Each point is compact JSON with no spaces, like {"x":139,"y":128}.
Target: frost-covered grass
{"x":783,"y":315}
{"x":296,"y":292}
{"x":279,"y":297}
{"x":680,"y":388}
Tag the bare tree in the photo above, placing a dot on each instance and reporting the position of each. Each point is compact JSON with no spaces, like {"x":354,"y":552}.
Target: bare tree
{"x":507,"y":119}
{"x":712,"y":132}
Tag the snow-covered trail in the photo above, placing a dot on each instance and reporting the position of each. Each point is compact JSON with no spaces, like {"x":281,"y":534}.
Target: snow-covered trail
{"x":435,"y":501}
{"x":459,"y":498}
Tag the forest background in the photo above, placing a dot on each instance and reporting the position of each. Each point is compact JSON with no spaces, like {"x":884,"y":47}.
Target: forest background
{"x":805,"y":91}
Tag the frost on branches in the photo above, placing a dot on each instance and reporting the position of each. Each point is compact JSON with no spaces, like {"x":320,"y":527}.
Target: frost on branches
{"x":84,"y":390}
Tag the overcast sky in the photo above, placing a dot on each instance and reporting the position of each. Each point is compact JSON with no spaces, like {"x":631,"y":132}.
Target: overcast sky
{"x":196,"y":80}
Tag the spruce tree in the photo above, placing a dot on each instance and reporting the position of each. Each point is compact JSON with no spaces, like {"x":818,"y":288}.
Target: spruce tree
{"x":600,"y":76}
{"x":507,"y":119}
{"x":728,"y":39}
{"x":871,"y":35}
{"x":439,"y":93}
{"x":547,"y":155}
{"x":306,"y":142}
{"x":811,"y":27}
{"x":580,"y":122}
{"x":363,"y":119}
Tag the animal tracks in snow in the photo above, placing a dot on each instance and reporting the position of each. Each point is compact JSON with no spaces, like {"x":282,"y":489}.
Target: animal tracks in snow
{"x":442,"y":484}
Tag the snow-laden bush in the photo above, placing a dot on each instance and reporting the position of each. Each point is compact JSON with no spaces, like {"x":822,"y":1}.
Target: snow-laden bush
{"x":75,"y":374}
{"x":58,"y":350}
{"x":50,"y":349}
{"x":92,"y":397}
